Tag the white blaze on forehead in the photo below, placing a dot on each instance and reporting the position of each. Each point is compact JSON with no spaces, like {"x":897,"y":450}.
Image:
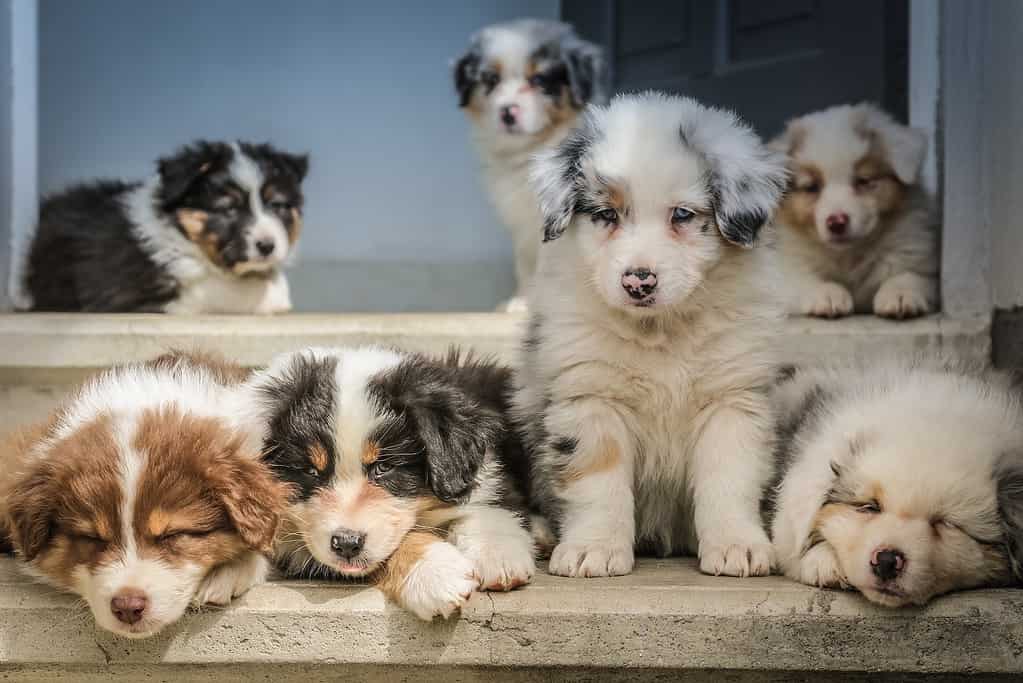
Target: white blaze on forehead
{"x":265,"y":226}
{"x":832,"y":144}
{"x":511,"y":47}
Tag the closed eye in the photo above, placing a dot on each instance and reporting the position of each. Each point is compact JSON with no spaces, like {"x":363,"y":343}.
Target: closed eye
{"x":871,"y":507}
{"x":864,"y":183}
{"x":172,"y":534}
{"x":608,"y":216}
{"x":809,"y":188}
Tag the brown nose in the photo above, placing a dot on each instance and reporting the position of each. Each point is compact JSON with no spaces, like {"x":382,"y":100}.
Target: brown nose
{"x":837,"y":223}
{"x":639,"y":283}
{"x":129,"y":606}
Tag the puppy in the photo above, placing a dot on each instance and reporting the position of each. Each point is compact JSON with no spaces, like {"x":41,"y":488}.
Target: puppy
{"x":405,"y":469}
{"x":857,"y":232}
{"x":522,"y":85}
{"x":207,"y":234}
{"x":901,"y":480}
{"x":649,"y":346}
{"x":141,"y":496}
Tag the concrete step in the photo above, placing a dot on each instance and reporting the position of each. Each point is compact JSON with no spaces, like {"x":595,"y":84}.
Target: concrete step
{"x":663,"y":620}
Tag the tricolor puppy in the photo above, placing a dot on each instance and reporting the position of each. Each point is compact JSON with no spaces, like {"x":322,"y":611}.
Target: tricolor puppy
{"x":856,"y":230}
{"x":901,"y":480}
{"x":522,"y":85}
{"x":404,"y":469}
{"x":141,"y":496}
{"x":649,"y":349}
{"x":207,"y":234}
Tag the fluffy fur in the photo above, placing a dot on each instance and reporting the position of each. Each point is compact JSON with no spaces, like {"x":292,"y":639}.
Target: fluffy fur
{"x":649,"y":347}
{"x":404,"y":470}
{"x":903,"y":480}
{"x":857,"y":231}
{"x":207,"y":234}
{"x":141,"y":496}
{"x":522,"y":85}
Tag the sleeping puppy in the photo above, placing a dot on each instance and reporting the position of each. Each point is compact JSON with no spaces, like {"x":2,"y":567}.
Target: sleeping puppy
{"x":140,"y":495}
{"x":522,"y":85}
{"x":649,"y":345}
{"x":857,"y":232}
{"x":901,"y":480}
{"x":404,"y":470}
{"x":207,"y":234}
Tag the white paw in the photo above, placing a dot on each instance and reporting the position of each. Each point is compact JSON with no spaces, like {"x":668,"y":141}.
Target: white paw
{"x":232,"y":579}
{"x":828,"y":300}
{"x":276,"y":298}
{"x":736,"y":558}
{"x":516,"y":304}
{"x":900,"y":302}
{"x":505,"y":564}
{"x":570,"y":559}
{"x":819,"y":567}
{"x":439,"y":584}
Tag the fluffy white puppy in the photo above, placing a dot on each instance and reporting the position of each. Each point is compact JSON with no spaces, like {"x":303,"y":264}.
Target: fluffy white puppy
{"x":901,"y":480}
{"x":857,"y":232}
{"x":649,"y":348}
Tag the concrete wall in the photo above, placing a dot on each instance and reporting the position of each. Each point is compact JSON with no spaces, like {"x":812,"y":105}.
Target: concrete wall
{"x":397,"y":218}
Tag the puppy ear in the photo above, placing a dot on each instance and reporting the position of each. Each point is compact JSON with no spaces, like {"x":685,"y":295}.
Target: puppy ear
{"x":789,"y":139}
{"x":555,"y":175}
{"x":587,"y":71}
{"x":744,"y":177}
{"x":1009,"y":483}
{"x":179,"y":172}
{"x":466,"y":73}
{"x":296,"y":164}
{"x":30,"y":512}
{"x":253,"y":498}
{"x":905,"y":147}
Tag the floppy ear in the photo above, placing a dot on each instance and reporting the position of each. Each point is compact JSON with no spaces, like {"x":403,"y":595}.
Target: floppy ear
{"x":466,"y":73}
{"x":30,"y":511}
{"x":253,"y":498}
{"x":555,"y":175}
{"x":1009,"y":482}
{"x":587,"y":71}
{"x":904,"y":146}
{"x":296,"y":164}
{"x":745,"y":178}
{"x":180,"y":171}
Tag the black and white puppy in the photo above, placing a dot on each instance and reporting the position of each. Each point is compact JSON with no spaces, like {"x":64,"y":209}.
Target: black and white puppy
{"x":207,"y":234}
{"x":405,"y":469}
{"x":522,"y":85}
{"x":903,"y":480}
{"x":650,"y":344}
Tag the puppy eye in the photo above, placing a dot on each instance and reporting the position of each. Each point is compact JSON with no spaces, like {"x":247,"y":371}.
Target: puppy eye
{"x":279,"y":205}
{"x":810,"y":188}
{"x":681,"y":215}
{"x":490,"y":79}
{"x":864,"y":183}
{"x":381,"y":468}
{"x":88,"y":538}
{"x":609,"y":216}
{"x":871,"y":508}
{"x":180,"y":533}
{"x":538,"y":80}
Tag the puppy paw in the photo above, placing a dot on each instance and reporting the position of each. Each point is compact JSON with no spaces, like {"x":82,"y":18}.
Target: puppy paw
{"x":819,"y":567}
{"x":579,"y":560}
{"x":277,"y":297}
{"x":736,"y":558}
{"x":899,"y":301}
{"x":230,"y":580}
{"x":516,"y":304}
{"x":439,"y":584}
{"x":506,"y":565}
{"x":828,"y":300}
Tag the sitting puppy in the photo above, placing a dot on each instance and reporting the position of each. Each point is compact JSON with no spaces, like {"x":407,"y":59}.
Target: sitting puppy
{"x":140,"y":496}
{"x":404,"y":470}
{"x":903,"y":481}
{"x":522,"y":85}
{"x":207,"y":234}
{"x":856,"y":231}
{"x":650,"y":340}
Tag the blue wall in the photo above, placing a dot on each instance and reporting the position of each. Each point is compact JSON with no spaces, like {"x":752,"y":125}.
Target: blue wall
{"x":363,"y":86}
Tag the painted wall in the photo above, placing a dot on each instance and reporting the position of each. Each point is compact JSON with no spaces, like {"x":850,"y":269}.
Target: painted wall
{"x":393,"y":195}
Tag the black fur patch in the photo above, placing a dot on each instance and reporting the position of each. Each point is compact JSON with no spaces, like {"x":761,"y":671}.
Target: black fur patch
{"x":301,"y":419}
{"x":569,"y":160}
{"x":741,"y":228}
{"x":466,"y":74}
{"x":1009,"y":483}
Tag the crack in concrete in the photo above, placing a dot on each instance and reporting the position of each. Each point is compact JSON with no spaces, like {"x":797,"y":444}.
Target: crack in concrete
{"x":106,"y":654}
{"x":513,"y":632}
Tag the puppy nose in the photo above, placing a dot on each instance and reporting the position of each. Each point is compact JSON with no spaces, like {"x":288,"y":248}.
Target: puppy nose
{"x":509,"y":114}
{"x":837,"y":223}
{"x":639,"y":283}
{"x":346,"y":543}
{"x":265,"y":247}
{"x":129,"y":606}
{"x":887,"y":563}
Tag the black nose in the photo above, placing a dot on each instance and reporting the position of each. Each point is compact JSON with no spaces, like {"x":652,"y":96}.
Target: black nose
{"x":508,"y":115}
{"x":265,"y":247}
{"x":347,"y":544}
{"x":639,"y":283}
{"x":887,"y":564}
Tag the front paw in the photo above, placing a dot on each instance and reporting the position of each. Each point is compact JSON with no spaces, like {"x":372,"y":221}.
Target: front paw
{"x":439,"y":584}
{"x":827,"y":300}
{"x":737,"y":557}
{"x":506,"y":565}
{"x":276,"y":298}
{"x":899,"y":301}
{"x":819,"y":567}
{"x":590,"y":560}
{"x":230,"y":580}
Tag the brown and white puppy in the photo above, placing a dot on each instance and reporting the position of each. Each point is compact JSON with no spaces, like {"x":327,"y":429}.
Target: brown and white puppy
{"x":140,"y":495}
{"x":522,"y":85}
{"x":404,"y":470}
{"x":856,"y":230}
{"x":902,"y":480}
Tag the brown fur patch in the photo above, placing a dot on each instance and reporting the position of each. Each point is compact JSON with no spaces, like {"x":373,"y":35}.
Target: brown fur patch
{"x":224,"y":371}
{"x":887,"y":191}
{"x":370,"y":453}
{"x":193,"y":222}
{"x":604,"y":457}
{"x":318,"y":457}
{"x":797,"y":208}
{"x":391,"y":576}
{"x":295,"y":228}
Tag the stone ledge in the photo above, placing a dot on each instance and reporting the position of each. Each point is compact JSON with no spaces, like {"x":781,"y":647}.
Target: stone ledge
{"x":665,"y":617}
